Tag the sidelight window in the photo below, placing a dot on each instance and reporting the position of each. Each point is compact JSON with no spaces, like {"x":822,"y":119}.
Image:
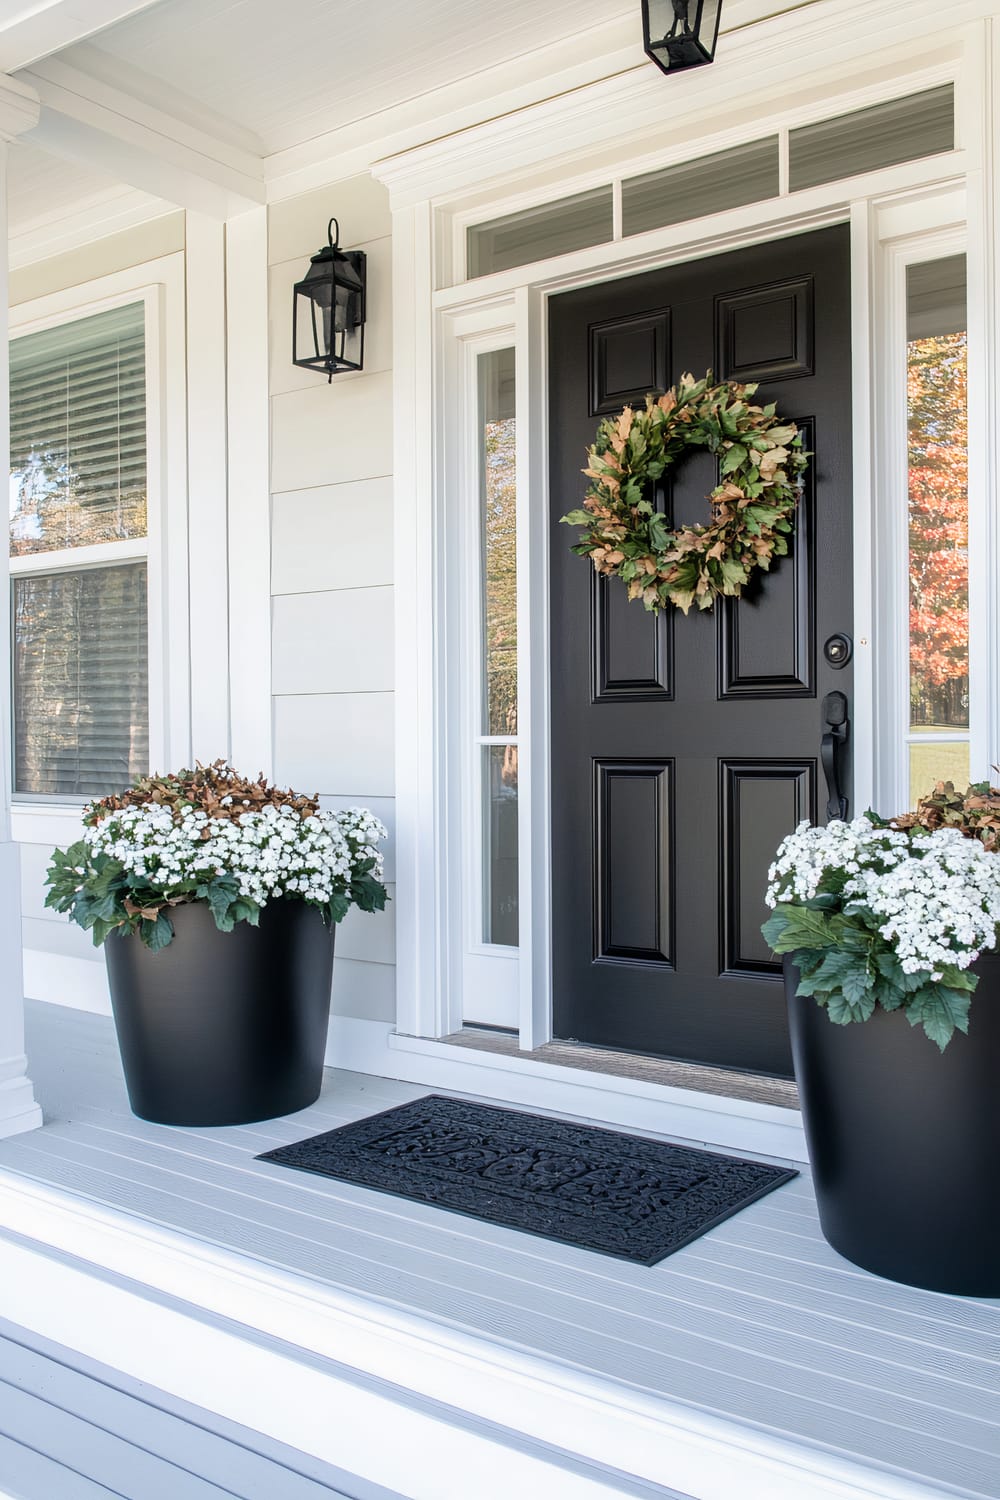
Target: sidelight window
{"x":497,"y":711}
{"x":938,"y":523}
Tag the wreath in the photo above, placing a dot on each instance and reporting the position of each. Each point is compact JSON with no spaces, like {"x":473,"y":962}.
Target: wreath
{"x":761,"y":462}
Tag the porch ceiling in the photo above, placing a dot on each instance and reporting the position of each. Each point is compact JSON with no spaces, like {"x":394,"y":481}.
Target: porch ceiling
{"x":221,"y":105}
{"x":290,"y":72}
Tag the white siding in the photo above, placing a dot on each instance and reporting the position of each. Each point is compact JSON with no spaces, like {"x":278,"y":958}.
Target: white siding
{"x":338,"y":641}
{"x":331,"y":559}
{"x":332,"y":537}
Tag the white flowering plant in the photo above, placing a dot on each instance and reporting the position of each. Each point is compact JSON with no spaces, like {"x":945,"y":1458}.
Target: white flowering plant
{"x":210,"y":835}
{"x":872,"y":913}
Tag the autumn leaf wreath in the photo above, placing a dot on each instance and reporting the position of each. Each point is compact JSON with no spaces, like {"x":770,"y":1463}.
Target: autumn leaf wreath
{"x":761,"y":462}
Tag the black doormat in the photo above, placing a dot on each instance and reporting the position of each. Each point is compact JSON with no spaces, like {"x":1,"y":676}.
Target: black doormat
{"x":618,"y":1194}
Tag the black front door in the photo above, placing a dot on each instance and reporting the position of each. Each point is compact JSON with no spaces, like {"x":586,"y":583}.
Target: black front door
{"x":683,"y":749}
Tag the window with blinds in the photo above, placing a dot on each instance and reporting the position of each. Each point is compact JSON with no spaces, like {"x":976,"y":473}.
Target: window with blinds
{"x":78,"y":542}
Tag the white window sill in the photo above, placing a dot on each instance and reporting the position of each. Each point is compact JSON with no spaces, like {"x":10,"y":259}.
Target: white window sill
{"x":46,"y":823}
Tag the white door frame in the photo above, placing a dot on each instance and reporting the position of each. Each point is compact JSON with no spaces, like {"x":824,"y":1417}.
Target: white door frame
{"x":428,"y":318}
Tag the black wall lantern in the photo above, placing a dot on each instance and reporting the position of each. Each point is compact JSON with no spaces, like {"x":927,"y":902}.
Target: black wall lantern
{"x":680,"y":33}
{"x":328,"y":314}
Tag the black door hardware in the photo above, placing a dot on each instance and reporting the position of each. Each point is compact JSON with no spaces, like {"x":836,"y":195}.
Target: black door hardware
{"x":836,"y":729}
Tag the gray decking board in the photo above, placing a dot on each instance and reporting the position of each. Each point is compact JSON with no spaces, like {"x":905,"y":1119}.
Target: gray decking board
{"x":758,"y":1321}
{"x":73,"y":1429}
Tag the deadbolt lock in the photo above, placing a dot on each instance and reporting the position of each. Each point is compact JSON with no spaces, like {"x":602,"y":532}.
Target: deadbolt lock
{"x":838,"y":650}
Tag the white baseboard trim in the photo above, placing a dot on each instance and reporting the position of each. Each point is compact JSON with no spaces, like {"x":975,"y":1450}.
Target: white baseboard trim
{"x":80,"y":983}
{"x":19,"y":1110}
{"x":709,"y":1119}
{"x":374,"y":1047}
{"x":522,"y":1406}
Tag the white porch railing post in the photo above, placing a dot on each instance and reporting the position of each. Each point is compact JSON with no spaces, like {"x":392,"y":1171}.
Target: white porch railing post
{"x":18,"y":1109}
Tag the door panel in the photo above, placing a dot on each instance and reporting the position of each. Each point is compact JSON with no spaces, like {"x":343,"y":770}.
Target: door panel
{"x":684,"y":748}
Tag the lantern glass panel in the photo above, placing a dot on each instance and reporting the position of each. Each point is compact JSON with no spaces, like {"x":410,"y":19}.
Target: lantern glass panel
{"x":681,"y":33}
{"x":329,"y":315}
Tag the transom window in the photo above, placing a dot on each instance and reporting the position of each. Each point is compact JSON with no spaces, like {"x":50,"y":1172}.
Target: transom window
{"x":843,"y":146}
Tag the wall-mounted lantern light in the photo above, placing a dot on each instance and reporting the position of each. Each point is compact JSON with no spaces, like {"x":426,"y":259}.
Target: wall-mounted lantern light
{"x":328,"y":313}
{"x":680,"y":33}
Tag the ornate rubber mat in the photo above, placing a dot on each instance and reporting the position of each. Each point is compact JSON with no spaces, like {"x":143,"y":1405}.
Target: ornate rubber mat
{"x":621,"y":1195}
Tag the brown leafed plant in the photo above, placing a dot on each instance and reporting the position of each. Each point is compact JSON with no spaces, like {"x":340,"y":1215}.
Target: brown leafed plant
{"x":974,"y":812}
{"x":215,"y":789}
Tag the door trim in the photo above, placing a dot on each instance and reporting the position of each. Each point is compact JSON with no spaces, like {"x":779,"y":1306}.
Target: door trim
{"x":429,"y":998}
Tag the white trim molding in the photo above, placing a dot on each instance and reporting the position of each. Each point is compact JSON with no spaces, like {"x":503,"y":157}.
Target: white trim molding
{"x":84,"y":118}
{"x":248,"y":420}
{"x":18,"y":1108}
{"x":46,"y":26}
{"x":19,"y":108}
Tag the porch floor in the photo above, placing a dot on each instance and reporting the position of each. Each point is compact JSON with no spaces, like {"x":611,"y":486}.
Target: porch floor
{"x":758,"y":1322}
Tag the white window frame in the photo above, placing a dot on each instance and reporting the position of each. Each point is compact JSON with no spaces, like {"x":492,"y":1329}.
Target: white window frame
{"x":942,"y":232}
{"x":488,"y":971}
{"x":159,"y":286}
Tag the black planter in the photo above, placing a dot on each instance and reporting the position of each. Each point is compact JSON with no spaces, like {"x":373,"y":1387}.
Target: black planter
{"x":223,"y":1028}
{"x":904,"y":1140}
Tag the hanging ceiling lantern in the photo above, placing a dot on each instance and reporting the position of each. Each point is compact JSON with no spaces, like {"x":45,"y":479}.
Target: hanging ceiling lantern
{"x":680,"y":33}
{"x":328,"y":313}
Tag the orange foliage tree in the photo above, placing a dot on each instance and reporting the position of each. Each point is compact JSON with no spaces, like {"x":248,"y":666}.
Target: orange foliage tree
{"x":939,"y":530}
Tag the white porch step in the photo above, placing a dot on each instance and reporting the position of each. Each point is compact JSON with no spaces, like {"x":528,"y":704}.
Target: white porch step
{"x":73,"y":1429}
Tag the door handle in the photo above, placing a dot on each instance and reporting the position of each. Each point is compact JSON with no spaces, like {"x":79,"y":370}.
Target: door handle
{"x":836,"y":728}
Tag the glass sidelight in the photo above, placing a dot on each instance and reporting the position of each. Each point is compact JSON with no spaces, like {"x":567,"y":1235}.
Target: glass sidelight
{"x":497,"y":710}
{"x":938,"y":501}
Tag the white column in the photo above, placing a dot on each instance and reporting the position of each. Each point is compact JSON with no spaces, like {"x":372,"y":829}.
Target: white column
{"x":18,"y":1109}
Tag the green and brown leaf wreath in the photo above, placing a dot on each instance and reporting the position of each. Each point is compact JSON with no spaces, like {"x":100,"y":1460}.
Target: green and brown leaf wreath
{"x":761,"y":463}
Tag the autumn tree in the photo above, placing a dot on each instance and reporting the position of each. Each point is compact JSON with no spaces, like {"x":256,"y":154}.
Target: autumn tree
{"x":938,"y":530}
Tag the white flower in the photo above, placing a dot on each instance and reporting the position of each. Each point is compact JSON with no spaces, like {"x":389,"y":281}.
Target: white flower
{"x":270,"y":853}
{"x":934,"y":897}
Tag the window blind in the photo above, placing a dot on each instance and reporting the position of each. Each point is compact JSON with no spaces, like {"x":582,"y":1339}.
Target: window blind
{"x":80,"y":681}
{"x":78,"y":433}
{"x":687,"y":190}
{"x":534,"y":233}
{"x":899,"y":130}
{"x":78,"y":478}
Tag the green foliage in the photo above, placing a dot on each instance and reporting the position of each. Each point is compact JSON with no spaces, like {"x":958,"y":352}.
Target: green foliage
{"x":849,"y":968}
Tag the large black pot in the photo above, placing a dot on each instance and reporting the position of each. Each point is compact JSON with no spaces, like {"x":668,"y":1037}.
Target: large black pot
{"x":222,"y":1028}
{"x":904,"y":1140}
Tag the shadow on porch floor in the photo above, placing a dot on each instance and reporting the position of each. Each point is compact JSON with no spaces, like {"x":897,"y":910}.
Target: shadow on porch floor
{"x":758,"y":1323}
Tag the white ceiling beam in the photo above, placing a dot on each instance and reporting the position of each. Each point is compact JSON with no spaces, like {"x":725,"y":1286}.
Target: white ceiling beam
{"x":84,"y":119}
{"x":36,"y":28}
{"x":19,"y":108}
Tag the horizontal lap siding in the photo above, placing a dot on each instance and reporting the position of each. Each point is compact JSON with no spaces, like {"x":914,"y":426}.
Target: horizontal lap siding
{"x":331,"y":561}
